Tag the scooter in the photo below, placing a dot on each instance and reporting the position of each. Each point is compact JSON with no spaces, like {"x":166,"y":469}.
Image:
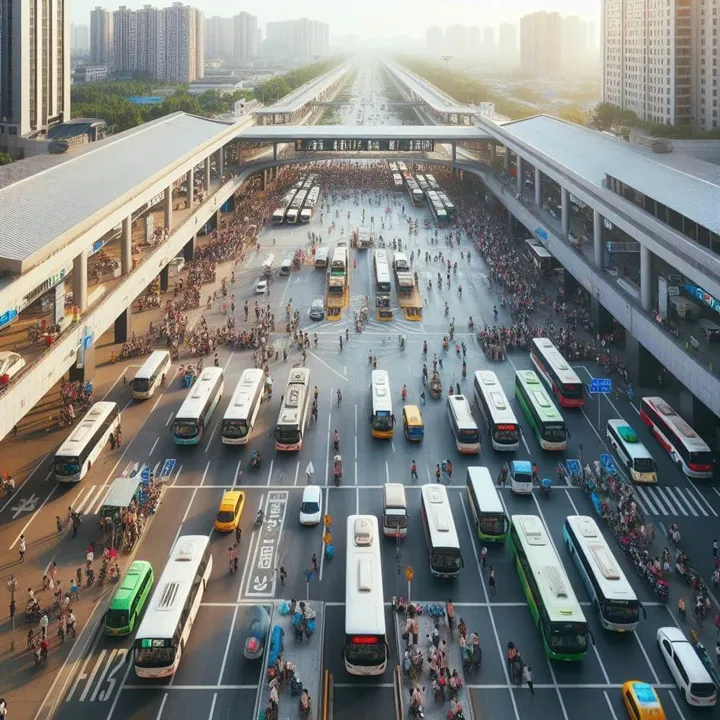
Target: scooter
{"x":259,"y":519}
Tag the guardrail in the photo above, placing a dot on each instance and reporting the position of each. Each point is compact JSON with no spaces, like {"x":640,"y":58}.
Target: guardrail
{"x":328,"y":696}
{"x":398,"y":691}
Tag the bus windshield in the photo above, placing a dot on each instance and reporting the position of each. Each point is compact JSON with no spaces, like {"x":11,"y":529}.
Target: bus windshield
{"x":185,"y":428}
{"x":287,"y":435}
{"x":382,"y":420}
{"x":468,"y":435}
{"x":553,"y":431}
{"x":566,"y":637}
{"x":67,"y":465}
{"x":141,"y":384}
{"x":444,"y":560}
{"x":155,"y":654}
{"x":644,"y":465}
{"x":621,"y":611}
{"x":116,"y":618}
{"x":235,"y":428}
{"x":493,"y":523}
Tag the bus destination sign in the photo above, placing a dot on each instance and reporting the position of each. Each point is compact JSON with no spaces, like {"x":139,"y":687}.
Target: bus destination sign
{"x":365,"y":145}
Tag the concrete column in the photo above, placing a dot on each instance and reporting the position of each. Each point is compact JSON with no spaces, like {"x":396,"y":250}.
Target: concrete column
{"x":126,"y":246}
{"x":597,"y":239}
{"x":164,"y":278}
{"x":506,"y":159}
{"x":565,"y":211}
{"x":454,"y":151}
{"x":191,"y":186}
{"x":520,"y":173}
{"x":538,"y":187}
{"x":206,"y":174}
{"x":275,"y":151}
{"x":220,"y":162}
{"x":493,"y":153}
{"x":168,"y":207}
{"x":646,"y":284}
{"x":79,"y":281}
{"x":189,"y":249}
{"x":123,"y":325}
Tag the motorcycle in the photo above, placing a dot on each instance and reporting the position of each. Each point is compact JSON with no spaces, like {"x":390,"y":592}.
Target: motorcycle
{"x":255,"y":460}
{"x":337,"y":469}
{"x":259,"y":519}
{"x":257,"y":634}
{"x":545,"y":487}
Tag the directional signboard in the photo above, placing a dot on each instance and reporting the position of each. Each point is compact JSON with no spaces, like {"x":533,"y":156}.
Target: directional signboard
{"x":601,"y":386}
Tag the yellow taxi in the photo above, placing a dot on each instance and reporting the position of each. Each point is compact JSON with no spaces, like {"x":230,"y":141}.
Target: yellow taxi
{"x":230,"y":511}
{"x":641,"y":701}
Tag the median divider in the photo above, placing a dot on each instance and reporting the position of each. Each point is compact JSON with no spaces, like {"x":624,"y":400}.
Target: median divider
{"x":398,"y":691}
{"x":328,"y":696}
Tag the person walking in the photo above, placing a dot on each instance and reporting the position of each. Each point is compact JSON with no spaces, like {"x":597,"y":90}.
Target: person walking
{"x":314,"y":563}
{"x":413,"y":471}
{"x":22,"y":548}
{"x":283,"y":575}
{"x":491,"y":580}
{"x":527,"y":677}
{"x":449,"y":468}
{"x":437,"y":473}
{"x":483,"y":556}
{"x":238,"y":535}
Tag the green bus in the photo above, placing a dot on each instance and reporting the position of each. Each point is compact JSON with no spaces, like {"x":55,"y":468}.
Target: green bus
{"x":129,"y":599}
{"x":552,"y":602}
{"x":541,"y":412}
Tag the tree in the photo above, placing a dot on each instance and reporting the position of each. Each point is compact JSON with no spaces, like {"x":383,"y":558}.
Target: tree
{"x":5,"y":158}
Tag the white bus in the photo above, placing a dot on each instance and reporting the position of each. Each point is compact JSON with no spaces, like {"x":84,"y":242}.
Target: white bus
{"x":608,"y":588}
{"x":294,"y":412}
{"x":241,"y":413}
{"x":550,"y":597}
{"x":500,"y":420}
{"x":382,"y":273}
{"x":151,"y":374}
{"x":321,"y":256}
{"x":293,"y":212}
{"x":432,"y":182}
{"x":400,"y":262}
{"x":310,"y":204}
{"x":365,"y":650}
{"x":381,"y":423}
{"x":491,"y":520}
{"x":441,"y":537}
{"x":278,"y":216}
{"x":633,"y":454}
{"x":688,"y":450}
{"x":85,"y":443}
{"x":397,"y":181}
{"x":194,"y":414}
{"x":463,"y":425}
{"x":165,"y":629}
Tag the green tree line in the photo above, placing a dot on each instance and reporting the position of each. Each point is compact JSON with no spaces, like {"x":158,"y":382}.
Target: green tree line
{"x":277,"y":87}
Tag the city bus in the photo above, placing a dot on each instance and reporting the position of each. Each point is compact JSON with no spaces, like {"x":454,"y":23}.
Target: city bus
{"x":278,"y":216}
{"x":432,"y":182}
{"x":414,"y":192}
{"x":85,"y":443}
{"x":400,"y":262}
{"x":420,"y":180}
{"x":495,"y":410}
{"x":463,"y":426}
{"x":365,"y":650}
{"x":322,"y":255}
{"x":609,"y":590}
{"x":633,"y":454}
{"x":339,"y":263}
{"x":397,"y":181}
{"x":241,"y":413}
{"x":436,"y":207}
{"x":441,"y":537}
{"x":310,"y":204}
{"x":687,"y":449}
{"x":151,"y":375}
{"x":491,"y":520}
{"x":293,"y":212}
{"x":449,"y":207}
{"x":554,"y":369}
{"x":550,"y":597}
{"x":194,"y":414}
{"x":540,"y":411}
{"x":402,"y":167}
{"x":382,"y":272}
{"x":129,"y":599}
{"x":165,"y":629}
{"x":295,"y":410}
{"x":381,"y":423}
{"x":540,"y":255}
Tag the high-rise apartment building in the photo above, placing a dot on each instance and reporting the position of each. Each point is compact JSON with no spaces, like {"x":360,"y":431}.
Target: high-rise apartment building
{"x":507,"y":43}
{"x":298,"y":38}
{"x":540,"y":43}
{"x":488,"y":42}
{"x":79,"y":39}
{"x":151,"y":33}
{"x":184,"y":43}
{"x":245,"y":44}
{"x":101,"y":36}
{"x":124,"y":55}
{"x":474,"y":41}
{"x":456,"y":41}
{"x":660,"y":60}
{"x":219,"y":37}
{"x":573,"y":45}
{"x":34,"y":66}
{"x":435,"y":40}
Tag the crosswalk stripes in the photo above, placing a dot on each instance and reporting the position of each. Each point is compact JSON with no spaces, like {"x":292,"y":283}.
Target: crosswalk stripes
{"x":671,"y":501}
{"x":90,"y":499}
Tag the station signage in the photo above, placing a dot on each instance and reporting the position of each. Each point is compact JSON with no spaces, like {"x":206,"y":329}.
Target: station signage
{"x":364,"y":145}
{"x":703,"y":296}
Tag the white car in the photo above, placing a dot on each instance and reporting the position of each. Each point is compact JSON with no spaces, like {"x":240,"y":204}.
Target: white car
{"x":261,"y":287}
{"x":311,"y":505}
{"x":686,"y":667}
{"x":10,"y":363}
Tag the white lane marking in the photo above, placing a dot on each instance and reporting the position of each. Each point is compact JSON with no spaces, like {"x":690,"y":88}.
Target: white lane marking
{"x":684,"y":495}
{"x":644,"y":500}
{"x":647,"y":659}
{"x":172,"y":414}
{"x":701,"y":496}
{"x":190,"y":504}
{"x":254,"y":539}
{"x":33,"y":516}
{"x":609,"y":704}
{"x":227,"y":649}
{"x":269,"y":480}
{"x":237,"y":474}
{"x":212,"y":707}
{"x":162,"y":706}
{"x":157,"y":440}
{"x":176,"y":476}
{"x":212,"y":434}
{"x":675,"y":703}
{"x":680,"y":507}
{"x":569,"y":497}
{"x":659,"y":491}
{"x":101,"y":498}
{"x":657,"y":501}
{"x":297,"y":473}
{"x":387,"y":472}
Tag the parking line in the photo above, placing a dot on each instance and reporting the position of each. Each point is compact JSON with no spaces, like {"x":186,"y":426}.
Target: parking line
{"x":227,"y":650}
{"x":609,"y":704}
{"x":162,"y":706}
{"x":214,"y":700}
{"x":272,"y":463}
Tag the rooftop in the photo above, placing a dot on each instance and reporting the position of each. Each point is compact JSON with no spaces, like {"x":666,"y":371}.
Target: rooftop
{"x":683,"y":183}
{"x":289,"y":133}
{"x":430,"y":95}
{"x":42,"y":206}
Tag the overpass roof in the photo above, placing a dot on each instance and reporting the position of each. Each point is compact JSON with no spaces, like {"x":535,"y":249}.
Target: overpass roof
{"x":430,"y":95}
{"x":290,"y":133}
{"x":683,"y":183}
{"x":305,"y":94}
{"x":38,"y":210}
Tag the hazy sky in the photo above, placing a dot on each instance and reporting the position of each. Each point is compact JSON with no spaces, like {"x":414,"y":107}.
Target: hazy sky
{"x":369,"y":18}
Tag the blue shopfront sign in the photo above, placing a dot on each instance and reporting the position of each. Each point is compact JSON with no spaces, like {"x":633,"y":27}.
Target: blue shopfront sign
{"x":7,"y":317}
{"x":541,"y":235}
{"x":97,"y":245}
{"x":704,"y":297}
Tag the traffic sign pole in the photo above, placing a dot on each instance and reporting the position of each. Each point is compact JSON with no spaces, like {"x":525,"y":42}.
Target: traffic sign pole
{"x":600,"y":386}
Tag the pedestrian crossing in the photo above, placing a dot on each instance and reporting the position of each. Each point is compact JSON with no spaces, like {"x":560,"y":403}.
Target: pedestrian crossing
{"x":90,"y":499}
{"x":672,"y":501}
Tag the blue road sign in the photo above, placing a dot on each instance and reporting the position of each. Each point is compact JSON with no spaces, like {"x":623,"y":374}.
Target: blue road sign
{"x":167,"y":468}
{"x":602,"y":386}
{"x":145,"y":473}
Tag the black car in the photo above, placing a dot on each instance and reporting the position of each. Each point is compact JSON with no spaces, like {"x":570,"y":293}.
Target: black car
{"x":317,"y":309}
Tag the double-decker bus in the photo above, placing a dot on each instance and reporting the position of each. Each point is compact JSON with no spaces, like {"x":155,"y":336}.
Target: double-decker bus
{"x":540,"y":411}
{"x":293,"y":212}
{"x":633,"y":454}
{"x":550,"y":597}
{"x":365,"y":650}
{"x":449,"y":207}
{"x":241,"y":413}
{"x":310,"y":204}
{"x":294,"y":412}
{"x":432,"y":182}
{"x":382,"y":286}
{"x":609,"y":590}
{"x":495,"y":409}
{"x":491,"y":520}
{"x":278,"y":216}
{"x":687,"y":449}
{"x":165,"y":629}
{"x":85,"y":443}
{"x":463,"y":426}
{"x":381,"y":424}
{"x":194,"y":414}
{"x":556,"y":372}
{"x":441,"y":537}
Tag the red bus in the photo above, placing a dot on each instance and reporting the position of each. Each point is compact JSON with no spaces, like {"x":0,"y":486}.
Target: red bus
{"x":557,"y":373}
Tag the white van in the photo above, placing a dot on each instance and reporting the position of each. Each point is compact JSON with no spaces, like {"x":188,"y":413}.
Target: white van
{"x":286,"y":266}
{"x":687,"y":669}
{"x":268,"y":263}
{"x":395,"y":519}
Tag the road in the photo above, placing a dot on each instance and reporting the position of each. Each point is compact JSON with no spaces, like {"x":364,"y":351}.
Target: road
{"x":214,"y":680}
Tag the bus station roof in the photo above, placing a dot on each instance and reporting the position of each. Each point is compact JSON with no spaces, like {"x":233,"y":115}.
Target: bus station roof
{"x":290,"y":133}
{"x":428,"y":93}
